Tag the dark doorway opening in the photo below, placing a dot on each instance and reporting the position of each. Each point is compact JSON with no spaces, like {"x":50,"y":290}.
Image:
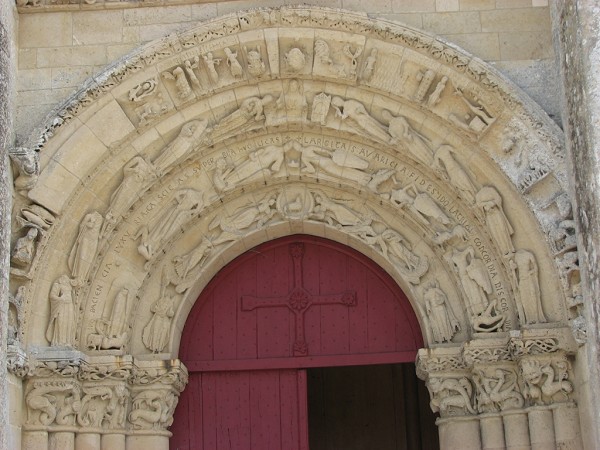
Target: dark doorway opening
{"x":376,"y":407}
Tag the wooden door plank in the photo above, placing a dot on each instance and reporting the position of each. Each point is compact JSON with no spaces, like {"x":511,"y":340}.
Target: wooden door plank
{"x":358,"y":315}
{"x":209,"y":409}
{"x":382,"y":332}
{"x":247,"y":345}
{"x":225,"y":312}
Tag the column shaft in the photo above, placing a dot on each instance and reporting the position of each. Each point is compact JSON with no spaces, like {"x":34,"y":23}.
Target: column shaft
{"x":492,"y":433}
{"x":87,"y":441}
{"x":541,"y":429}
{"x":141,"y":442}
{"x":516,"y":430}
{"x":459,"y":433}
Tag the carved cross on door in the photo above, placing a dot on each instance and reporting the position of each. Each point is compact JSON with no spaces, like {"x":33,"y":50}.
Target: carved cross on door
{"x":298,"y":300}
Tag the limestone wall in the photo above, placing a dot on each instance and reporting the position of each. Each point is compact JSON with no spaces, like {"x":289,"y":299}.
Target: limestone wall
{"x":62,"y":45}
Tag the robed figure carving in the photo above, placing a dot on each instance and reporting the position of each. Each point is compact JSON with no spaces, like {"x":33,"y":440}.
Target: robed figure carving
{"x":156,"y":333}
{"x":61,"y":327}
{"x":84,"y":250}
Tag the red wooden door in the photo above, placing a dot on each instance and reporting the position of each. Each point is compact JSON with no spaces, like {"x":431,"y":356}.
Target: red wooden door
{"x":288,"y":304}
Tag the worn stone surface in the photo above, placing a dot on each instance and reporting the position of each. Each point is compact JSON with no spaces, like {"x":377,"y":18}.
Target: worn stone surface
{"x":577,"y":27}
{"x":7,"y":100}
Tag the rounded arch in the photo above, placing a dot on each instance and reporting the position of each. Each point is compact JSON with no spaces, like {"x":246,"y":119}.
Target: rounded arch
{"x":169,"y":165}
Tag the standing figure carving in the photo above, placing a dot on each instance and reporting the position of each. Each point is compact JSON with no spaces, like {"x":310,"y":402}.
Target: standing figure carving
{"x":84,"y":250}
{"x":190,"y":135}
{"x":360,"y":119}
{"x":442,"y":321}
{"x":233,"y":63}
{"x":137,"y":173}
{"x":187,"y":204}
{"x":489,"y":200}
{"x":24,"y":250}
{"x":445,"y":161}
{"x":156,"y":333}
{"x":401,"y":132}
{"x":526,"y":272}
{"x":369,"y":65}
{"x":211,"y":64}
{"x":61,"y":327}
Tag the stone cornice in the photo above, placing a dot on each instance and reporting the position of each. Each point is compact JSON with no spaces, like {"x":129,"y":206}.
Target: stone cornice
{"x":37,"y":6}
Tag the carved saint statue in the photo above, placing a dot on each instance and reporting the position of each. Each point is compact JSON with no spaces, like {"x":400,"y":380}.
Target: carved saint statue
{"x":442,"y":321}
{"x":526,"y":270}
{"x":359,"y":118}
{"x":84,"y":250}
{"x":186,"y":205}
{"x":489,"y":200}
{"x":190,"y":135}
{"x":156,"y":333}
{"x":474,"y":278}
{"x":61,"y":327}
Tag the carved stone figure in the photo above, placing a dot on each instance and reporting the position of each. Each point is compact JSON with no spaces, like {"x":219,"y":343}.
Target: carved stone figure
{"x":187,"y":204}
{"x":24,"y":249}
{"x":420,"y":203}
{"x":256,"y":66}
{"x":401,"y":132}
{"x":155,"y":335}
{"x":324,"y":63}
{"x":458,"y":234}
{"x":489,"y":200}
{"x":249,"y":115}
{"x":152,"y":409}
{"x":211,"y":64}
{"x":55,"y":401}
{"x":295,"y":60}
{"x":61,"y":326}
{"x":184,"y":264}
{"x":27,"y":162}
{"x":369,"y":65}
{"x":396,"y":249}
{"x":220,"y":175}
{"x":234,"y":65}
{"x":291,"y":104}
{"x":425,"y":78}
{"x":94,"y":406}
{"x":151,"y":109}
{"x":191,"y":135}
{"x":189,"y":69}
{"x":84,"y":250}
{"x":340,"y":163}
{"x":444,"y":160}
{"x":266,"y":160}
{"x":474,"y":278}
{"x":341,"y":216}
{"x":474,"y":124}
{"x":526,"y":273}
{"x":489,"y":320}
{"x":320,"y":108}
{"x":497,"y":390}
{"x":35,"y":216}
{"x":542,"y":384}
{"x":434,"y":97}
{"x":184,"y":90}
{"x":360,"y":119}
{"x":442,"y":321}
{"x":451,"y":396}
{"x":145,"y":89}
{"x":232,"y":228}
{"x":564,"y":236}
{"x":137,"y":173}
{"x":116,"y":412}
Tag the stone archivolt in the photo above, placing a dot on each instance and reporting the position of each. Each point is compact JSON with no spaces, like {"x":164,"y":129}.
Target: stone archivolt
{"x":282,"y":121}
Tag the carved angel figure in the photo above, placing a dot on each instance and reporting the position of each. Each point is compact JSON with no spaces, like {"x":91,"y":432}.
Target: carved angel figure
{"x":186,"y":205}
{"x":156,"y":333}
{"x":359,"y":118}
{"x":442,"y":321}
{"x":190,"y":135}
{"x":84,"y":250}
{"x":489,"y":200}
{"x":61,"y":326}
